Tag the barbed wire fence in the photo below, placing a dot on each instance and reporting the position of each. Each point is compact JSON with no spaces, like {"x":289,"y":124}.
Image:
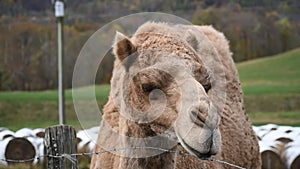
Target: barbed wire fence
{"x":61,"y":150}
{"x":73,"y":157}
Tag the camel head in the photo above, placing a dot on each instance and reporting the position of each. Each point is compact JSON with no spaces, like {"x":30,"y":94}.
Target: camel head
{"x":161,"y":84}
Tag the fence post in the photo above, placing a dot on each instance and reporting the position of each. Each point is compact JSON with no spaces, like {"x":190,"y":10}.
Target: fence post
{"x":61,"y":140}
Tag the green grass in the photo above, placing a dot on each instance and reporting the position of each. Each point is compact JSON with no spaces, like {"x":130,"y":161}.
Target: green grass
{"x":40,"y":109}
{"x":281,"y":118}
{"x":101,"y":93}
{"x":271,"y":88}
{"x":16,"y":115}
{"x":279,"y":74}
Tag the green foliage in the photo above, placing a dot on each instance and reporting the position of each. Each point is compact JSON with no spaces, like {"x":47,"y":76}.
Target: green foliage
{"x":208,"y":16}
{"x":252,"y":33}
{"x":287,"y":32}
{"x":29,"y":57}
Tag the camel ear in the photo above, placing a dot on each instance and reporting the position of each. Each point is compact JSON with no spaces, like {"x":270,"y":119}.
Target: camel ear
{"x":122,"y":47}
{"x":191,"y":39}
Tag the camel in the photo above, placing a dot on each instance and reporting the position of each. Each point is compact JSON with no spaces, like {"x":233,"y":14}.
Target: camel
{"x":176,"y":88}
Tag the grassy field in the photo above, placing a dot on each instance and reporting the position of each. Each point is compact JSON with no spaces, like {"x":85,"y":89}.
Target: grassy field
{"x":40,"y":109}
{"x":278,"y":74}
{"x":271,"y":87}
{"x":101,"y":92}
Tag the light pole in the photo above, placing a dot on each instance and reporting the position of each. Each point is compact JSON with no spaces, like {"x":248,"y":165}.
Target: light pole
{"x":59,"y":13}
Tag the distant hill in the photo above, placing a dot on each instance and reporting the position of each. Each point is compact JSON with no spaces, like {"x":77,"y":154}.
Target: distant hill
{"x":279,"y":74}
{"x":271,"y":88}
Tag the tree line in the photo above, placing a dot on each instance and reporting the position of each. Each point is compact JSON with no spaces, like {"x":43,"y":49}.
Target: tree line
{"x":28,"y":38}
{"x":252,"y":35}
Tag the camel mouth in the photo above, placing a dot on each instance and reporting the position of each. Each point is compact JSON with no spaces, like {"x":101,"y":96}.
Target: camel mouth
{"x":192,"y":151}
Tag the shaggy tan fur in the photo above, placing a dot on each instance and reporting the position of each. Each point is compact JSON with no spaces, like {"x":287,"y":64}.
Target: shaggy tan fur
{"x":194,"y":46}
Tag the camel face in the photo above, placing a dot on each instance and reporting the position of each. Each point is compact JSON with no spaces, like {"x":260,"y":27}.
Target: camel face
{"x":175,"y":87}
{"x":165,"y":88}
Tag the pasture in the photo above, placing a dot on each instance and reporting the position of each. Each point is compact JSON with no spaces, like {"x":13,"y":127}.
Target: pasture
{"x":271,"y":88}
{"x":20,"y":109}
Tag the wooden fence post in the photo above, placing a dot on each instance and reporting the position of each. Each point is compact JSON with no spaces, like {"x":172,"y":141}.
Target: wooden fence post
{"x":61,"y":140}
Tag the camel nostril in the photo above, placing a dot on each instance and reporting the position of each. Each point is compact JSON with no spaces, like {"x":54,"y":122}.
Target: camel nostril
{"x":205,"y":156}
{"x":197,"y":118}
{"x":213,"y":153}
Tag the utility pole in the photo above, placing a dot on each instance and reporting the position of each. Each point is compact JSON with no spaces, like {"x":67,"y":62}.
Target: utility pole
{"x":59,"y":13}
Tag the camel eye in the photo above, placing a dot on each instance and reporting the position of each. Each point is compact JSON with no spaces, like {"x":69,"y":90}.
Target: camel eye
{"x":202,"y":75}
{"x":207,"y":87}
{"x":205,"y":82}
{"x":147,"y":88}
